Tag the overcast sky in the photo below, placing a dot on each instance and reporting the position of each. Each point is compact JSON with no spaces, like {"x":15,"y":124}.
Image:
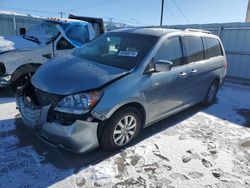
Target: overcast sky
{"x":137,"y":12}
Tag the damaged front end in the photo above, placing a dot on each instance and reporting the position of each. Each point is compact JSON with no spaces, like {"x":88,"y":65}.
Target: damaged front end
{"x":39,"y":110}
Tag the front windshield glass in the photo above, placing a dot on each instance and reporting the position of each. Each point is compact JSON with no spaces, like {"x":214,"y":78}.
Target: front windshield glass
{"x":43,"y":32}
{"x":122,"y":50}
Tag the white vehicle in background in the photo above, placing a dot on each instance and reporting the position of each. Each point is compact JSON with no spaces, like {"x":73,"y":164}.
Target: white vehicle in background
{"x":20,"y":56}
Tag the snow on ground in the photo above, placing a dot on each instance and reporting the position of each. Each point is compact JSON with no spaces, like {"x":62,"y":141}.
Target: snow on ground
{"x":195,"y":148}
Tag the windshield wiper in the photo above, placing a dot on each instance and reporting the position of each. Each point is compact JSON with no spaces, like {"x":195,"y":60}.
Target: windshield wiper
{"x":31,"y":38}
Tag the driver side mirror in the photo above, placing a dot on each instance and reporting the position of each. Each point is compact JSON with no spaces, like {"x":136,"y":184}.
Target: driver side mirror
{"x":163,"y":66}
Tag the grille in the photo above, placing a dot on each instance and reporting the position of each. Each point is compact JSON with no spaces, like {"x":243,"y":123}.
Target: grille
{"x":44,"y":98}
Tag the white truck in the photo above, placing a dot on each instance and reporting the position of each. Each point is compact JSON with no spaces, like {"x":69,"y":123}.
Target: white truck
{"x":20,"y":56}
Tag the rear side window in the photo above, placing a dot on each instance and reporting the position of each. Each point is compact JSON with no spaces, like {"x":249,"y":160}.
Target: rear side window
{"x":212,"y":47}
{"x":194,"y":48}
{"x":171,"y":50}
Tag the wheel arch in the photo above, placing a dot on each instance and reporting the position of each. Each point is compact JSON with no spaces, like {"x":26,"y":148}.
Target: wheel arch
{"x":135,"y":105}
{"x":23,"y":69}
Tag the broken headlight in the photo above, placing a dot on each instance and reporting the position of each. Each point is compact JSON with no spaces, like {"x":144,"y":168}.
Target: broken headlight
{"x":79,"y":103}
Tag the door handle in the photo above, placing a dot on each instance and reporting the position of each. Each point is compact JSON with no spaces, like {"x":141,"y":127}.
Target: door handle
{"x":182,"y":74}
{"x":194,"y":70}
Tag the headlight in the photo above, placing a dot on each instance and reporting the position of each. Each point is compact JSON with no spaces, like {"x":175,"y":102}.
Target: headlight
{"x":79,"y":103}
{"x":2,"y":69}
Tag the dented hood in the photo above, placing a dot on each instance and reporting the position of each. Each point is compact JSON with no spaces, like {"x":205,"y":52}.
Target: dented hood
{"x":10,"y":43}
{"x":69,"y":75}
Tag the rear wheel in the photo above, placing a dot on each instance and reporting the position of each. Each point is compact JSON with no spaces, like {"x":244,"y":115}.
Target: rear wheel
{"x":123,"y":126}
{"x":211,"y":94}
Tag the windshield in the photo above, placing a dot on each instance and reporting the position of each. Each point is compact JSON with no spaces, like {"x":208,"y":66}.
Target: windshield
{"x":44,"y":31}
{"x":122,"y":50}
{"x":78,"y":34}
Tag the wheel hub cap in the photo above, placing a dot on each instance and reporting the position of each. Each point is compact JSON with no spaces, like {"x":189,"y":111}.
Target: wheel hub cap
{"x":125,"y":130}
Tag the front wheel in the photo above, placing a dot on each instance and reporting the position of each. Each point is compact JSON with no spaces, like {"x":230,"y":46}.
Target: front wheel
{"x":123,"y":126}
{"x":211,"y":94}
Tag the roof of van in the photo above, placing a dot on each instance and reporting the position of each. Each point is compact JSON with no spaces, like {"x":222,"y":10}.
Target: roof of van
{"x":146,"y":31}
{"x":157,"y":31}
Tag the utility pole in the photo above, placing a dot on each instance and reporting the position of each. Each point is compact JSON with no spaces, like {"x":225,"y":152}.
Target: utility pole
{"x":248,"y":12}
{"x":61,"y":13}
{"x":110,"y":20}
{"x":162,"y":9}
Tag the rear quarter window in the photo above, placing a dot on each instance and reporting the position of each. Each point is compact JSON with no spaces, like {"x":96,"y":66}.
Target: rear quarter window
{"x":212,"y":47}
{"x":194,"y":48}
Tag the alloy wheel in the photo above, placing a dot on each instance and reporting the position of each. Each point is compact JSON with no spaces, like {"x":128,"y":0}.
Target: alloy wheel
{"x":125,"y":130}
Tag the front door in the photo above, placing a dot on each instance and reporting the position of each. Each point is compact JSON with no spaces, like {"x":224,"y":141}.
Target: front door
{"x":169,"y":89}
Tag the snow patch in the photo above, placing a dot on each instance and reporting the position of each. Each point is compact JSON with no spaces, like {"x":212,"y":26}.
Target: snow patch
{"x":9,"y":43}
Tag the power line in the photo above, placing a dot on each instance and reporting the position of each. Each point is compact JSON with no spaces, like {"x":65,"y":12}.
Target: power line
{"x":136,"y":9}
{"x":89,"y":5}
{"x":173,"y":16}
{"x":170,"y":13}
{"x":178,"y":8}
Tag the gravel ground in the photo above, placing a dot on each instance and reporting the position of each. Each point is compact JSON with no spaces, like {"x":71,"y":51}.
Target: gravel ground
{"x":195,"y":148}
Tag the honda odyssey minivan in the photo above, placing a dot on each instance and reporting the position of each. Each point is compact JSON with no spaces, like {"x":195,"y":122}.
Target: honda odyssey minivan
{"x":125,"y":80}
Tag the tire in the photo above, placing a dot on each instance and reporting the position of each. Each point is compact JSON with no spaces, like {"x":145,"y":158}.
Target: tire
{"x":211,"y":94}
{"x":113,"y":136}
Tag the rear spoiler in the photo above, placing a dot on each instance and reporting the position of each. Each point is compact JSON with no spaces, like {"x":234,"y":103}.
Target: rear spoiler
{"x":92,"y":20}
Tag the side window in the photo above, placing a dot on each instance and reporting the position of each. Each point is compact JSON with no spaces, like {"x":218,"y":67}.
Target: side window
{"x":194,"y":48}
{"x":212,"y":47}
{"x":171,"y":50}
{"x":63,"y":44}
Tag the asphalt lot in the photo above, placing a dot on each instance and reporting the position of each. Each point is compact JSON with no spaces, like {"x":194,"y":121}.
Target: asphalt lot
{"x":199,"y":147}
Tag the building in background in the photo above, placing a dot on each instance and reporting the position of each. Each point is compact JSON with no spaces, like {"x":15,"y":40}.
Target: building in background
{"x":11,"y":23}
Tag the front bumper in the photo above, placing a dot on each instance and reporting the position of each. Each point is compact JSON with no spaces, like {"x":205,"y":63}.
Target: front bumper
{"x":5,"y":81}
{"x":81,"y":136}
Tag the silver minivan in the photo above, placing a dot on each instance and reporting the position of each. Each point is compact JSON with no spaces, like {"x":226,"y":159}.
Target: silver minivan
{"x":125,"y":80}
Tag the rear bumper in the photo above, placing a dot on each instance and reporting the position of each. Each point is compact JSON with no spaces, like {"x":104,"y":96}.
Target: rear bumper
{"x":81,"y":136}
{"x":5,"y":81}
